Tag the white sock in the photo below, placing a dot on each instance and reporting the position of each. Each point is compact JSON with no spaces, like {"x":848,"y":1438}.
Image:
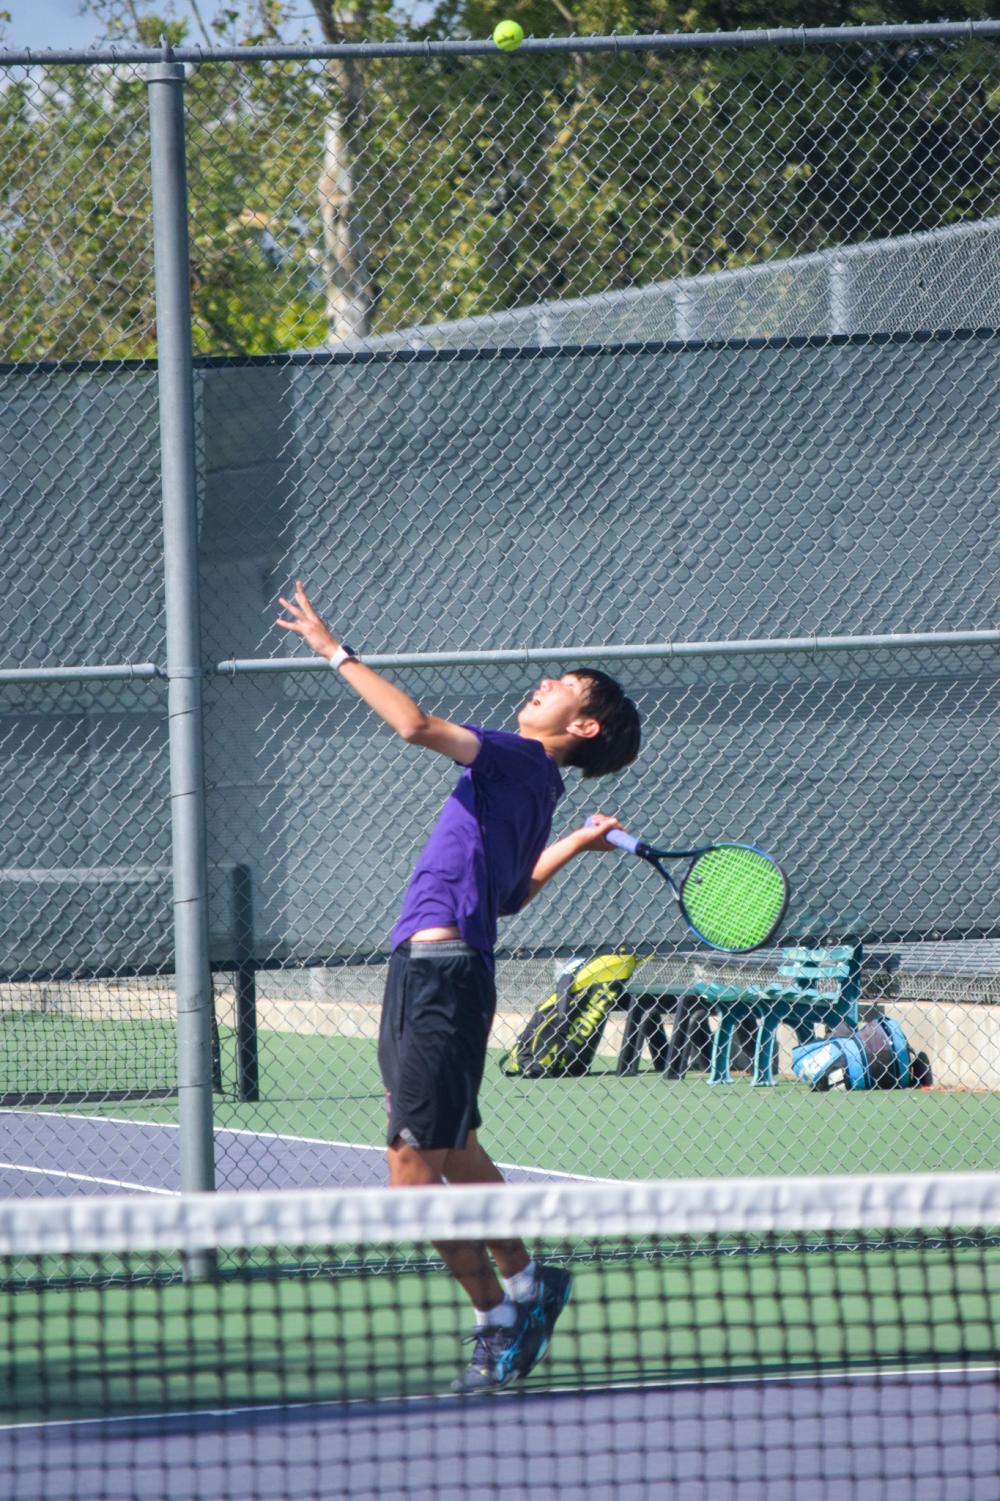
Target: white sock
{"x":504,"y":1315}
{"x":522,"y":1287}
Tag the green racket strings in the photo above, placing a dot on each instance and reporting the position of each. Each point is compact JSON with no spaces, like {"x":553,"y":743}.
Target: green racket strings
{"x":733,"y":897}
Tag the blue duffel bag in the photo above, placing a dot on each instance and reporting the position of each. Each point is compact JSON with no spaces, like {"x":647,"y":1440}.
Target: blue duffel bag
{"x":875,"y":1055}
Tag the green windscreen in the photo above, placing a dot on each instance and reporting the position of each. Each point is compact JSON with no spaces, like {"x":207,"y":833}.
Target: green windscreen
{"x":734,"y":897}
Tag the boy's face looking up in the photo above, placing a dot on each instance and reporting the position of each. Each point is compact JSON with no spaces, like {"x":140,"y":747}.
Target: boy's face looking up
{"x":555,"y":706}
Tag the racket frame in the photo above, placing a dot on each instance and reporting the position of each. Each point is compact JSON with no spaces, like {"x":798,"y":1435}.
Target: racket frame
{"x":653,"y":856}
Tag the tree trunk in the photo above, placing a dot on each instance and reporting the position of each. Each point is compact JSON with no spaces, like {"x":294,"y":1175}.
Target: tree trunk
{"x":347,"y":268}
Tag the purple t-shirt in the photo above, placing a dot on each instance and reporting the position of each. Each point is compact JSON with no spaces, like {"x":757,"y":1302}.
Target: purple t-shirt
{"x":477,"y":863}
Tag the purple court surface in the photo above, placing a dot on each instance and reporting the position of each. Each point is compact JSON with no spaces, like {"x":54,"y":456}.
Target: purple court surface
{"x":900,"y":1437}
{"x":50,"y":1152}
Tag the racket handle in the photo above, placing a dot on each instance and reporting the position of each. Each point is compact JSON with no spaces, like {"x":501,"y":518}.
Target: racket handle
{"x":620,"y":838}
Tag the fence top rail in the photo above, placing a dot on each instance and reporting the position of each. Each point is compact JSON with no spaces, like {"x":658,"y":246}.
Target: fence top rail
{"x":798,"y":36}
{"x":525,"y":655}
{"x":418,"y":352}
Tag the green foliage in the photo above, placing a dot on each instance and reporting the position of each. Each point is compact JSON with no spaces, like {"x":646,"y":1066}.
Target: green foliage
{"x":75,"y":258}
{"x":481,"y":184}
{"x":565,"y":177}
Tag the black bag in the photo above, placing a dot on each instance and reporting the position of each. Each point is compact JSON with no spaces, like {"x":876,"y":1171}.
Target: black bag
{"x":561,"y":1037}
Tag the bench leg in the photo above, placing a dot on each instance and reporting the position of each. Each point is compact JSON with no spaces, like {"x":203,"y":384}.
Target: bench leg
{"x":631,"y":1048}
{"x":722,"y":1042}
{"x":766,"y":1050}
{"x":656,"y":1038}
{"x":644,"y":1026}
{"x":690,"y":1039}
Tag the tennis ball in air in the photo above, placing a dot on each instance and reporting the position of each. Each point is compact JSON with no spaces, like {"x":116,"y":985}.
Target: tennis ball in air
{"x":507,"y":35}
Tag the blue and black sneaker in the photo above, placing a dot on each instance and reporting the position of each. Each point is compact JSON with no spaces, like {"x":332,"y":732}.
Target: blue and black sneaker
{"x":501,"y":1354}
{"x":553,"y":1286}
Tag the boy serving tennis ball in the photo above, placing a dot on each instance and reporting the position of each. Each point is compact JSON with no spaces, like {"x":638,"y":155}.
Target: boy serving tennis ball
{"x":486,"y":858}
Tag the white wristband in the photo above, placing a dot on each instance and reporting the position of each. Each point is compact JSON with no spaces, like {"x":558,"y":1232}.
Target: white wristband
{"x":344,"y":653}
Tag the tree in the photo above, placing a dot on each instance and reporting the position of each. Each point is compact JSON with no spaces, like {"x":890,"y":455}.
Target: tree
{"x":75,"y":254}
{"x":345,"y":262}
{"x":333,"y":201}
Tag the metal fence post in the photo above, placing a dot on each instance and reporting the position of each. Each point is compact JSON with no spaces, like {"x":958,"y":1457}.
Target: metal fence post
{"x":180,"y":566}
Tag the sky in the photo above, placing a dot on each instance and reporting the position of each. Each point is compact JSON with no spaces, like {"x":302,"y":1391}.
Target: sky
{"x":58,"y":23}
{"x":52,"y":23}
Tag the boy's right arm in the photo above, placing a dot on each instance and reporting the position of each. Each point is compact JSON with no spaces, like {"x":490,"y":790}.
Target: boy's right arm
{"x":592,"y":836}
{"x":400,"y":712}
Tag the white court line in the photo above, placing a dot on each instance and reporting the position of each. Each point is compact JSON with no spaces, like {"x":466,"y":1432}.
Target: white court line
{"x":778,"y":1378}
{"x":54,"y":1172}
{"x":313,"y":1141}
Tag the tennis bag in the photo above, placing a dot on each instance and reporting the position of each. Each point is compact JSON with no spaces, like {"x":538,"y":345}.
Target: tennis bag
{"x":561,"y":1037}
{"x":875,"y":1055}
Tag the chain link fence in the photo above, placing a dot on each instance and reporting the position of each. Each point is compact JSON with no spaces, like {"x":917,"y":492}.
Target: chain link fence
{"x":678,"y":360}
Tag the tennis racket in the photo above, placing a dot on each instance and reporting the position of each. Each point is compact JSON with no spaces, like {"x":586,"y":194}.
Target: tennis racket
{"x":732,"y":896}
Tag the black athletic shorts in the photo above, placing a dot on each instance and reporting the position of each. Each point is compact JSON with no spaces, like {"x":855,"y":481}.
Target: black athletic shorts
{"x":436,"y":1018}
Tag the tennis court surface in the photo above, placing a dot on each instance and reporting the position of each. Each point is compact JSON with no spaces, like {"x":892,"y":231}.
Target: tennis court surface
{"x":806,"y":1338}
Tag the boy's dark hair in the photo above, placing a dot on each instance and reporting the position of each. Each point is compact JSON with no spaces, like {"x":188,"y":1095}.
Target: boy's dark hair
{"x":620,"y":736}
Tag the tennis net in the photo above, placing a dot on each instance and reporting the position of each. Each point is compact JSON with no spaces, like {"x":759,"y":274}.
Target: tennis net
{"x":812,"y":1337}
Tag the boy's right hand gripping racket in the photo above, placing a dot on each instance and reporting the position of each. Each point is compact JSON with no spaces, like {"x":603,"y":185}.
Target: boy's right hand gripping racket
{"x":732,"y":896}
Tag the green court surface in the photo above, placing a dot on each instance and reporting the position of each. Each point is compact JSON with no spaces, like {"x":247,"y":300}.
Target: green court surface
{"x":46,"y":1052}
{"x":609,"y":1127}
{"x":75,"y":1351}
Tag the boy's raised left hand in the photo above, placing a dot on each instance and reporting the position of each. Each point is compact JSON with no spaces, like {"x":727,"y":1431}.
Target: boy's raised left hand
{"x":306,"y":623}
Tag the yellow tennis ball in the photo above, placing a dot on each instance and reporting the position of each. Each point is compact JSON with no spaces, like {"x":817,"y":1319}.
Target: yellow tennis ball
{"x":508,"y":35}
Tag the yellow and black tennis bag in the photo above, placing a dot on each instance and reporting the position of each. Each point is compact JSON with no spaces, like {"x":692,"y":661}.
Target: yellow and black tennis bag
{"x":560,"y":1040}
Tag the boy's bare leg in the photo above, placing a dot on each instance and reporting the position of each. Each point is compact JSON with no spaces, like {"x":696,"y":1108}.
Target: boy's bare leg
{"x":473,"y":1164}
{"x":411,"y":1167}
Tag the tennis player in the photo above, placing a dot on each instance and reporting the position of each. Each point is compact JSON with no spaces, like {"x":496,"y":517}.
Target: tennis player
{"x":486,"y":858}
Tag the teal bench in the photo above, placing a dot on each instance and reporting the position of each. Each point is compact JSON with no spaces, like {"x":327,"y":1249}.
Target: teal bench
{"x":797,"y":1003}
